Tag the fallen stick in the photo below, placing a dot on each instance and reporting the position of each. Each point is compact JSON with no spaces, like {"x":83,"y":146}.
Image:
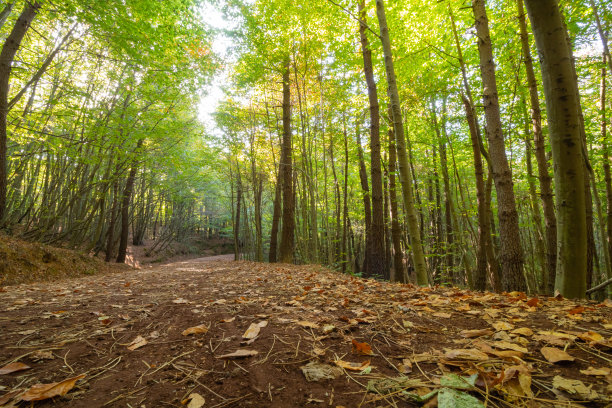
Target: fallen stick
{"x":600,"y":286}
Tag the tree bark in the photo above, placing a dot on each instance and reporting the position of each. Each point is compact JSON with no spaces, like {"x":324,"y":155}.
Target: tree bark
{"x":546,"y":194}
{"x":405,"y":172}
{"x":396,"y":230}
{"x":7,"y":55}
{"x":376,"y":262}
{"x":511,"y":254}
{"x":562,"y":103}
{"x":288,"y":227}
{"x":125,"y":206}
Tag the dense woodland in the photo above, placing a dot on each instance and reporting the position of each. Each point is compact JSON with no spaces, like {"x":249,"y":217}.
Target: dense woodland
{"x":447,"y":142}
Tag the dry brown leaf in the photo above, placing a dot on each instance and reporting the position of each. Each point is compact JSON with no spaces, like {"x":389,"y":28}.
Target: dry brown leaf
{"x":347,"y":365}
{"x":466,"y":354}
{"x":9,"y":396}
{"x":40,"y":392}
{"x":362,"y":348}
{"x":13,"y":367}
{"x":506,"y":345}
{"x":555,"y":355}
{"x":596,"y":371}
{"x":201,"y":329}
{"x":231,"y":319}
{"x":138,"y":342}
{"x":475,"y":333}
{"x":523,"y":331}
{"x":307,"y":324}
{"x":241,"y":353}
{"x":590,"y":337}
{"x":443,"y":315}
{"x":195,"y":400}
{"x":501,"y":325}
{"x":574,"y":388}
{"x":405,"y":367}
{"x":252,"y":331}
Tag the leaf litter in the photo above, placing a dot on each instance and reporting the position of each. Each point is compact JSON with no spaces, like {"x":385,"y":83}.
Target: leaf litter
{"x":329,"y":340}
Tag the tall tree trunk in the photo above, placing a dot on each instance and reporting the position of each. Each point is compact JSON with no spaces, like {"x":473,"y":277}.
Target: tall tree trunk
{"x":546,"y":194}
{"x":286,"y":163}
{"x":484,"y":231}
{"x":607,"y":176}
{"x":405,"y":172}
{"x":237,"y":243}
{"x":511,"y":254}
{"x":7,"y":55}
{"x":396,"y":230}
{"x":125,"y":206}
{"x":562,"y":103}
{"x":367,"y":209}
{"x":376,"y":262}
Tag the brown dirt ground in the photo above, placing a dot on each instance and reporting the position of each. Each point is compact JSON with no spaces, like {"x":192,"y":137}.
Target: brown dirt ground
{"x":84,"y":325}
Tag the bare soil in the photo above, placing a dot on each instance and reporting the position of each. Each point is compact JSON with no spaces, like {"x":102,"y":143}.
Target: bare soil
{"x":85,"y":325}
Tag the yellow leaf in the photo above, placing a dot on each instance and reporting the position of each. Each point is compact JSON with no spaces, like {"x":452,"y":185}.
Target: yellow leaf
{"x":555,"y":355}
{"x":252,"y":331}
{"x":596,"y":371}
{"x":475,"y":333}
{"x":523,"y":331}
{"x":353,"y":366}
{"x":501,"y":325}
{"x":40,"y":392}
{"x":195,"y":330}
{"x":591,"y":336}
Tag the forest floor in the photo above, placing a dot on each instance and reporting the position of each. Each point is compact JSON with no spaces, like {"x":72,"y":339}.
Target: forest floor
{"x":215,"y":333}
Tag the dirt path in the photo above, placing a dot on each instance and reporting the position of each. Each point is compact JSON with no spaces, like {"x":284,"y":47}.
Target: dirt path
{"x":303,"y":315}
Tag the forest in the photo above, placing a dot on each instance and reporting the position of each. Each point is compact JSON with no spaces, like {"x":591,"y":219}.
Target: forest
{"x":436,"y":143}
{"x":277,"y":203}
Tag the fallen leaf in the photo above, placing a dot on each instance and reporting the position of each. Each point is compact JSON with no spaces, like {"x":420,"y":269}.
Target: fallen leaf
{"x":231,"y":319}
{"x":195,"y":400}
{"x":466,"y":354}
{"x":475,"y":333}
{"x":307,"y":324}
{"x":241,"y":353}
{"x":315,"y":371}
{"x":523,"y":331}
{"x":40,"y":392}
{"x":405,"y":367}
{"x":138,"y":342}
{"x":9,"y":396}
{"x":443,"y":315}
{"x":180,"y":301}
{"x":450,"y":398}
{"x":576,"y":310}
{"x":596,"y":371}
{"x":13,"y":367}
{"x":362,"y":348}
{"x":574,"y":387}
{"x":501,"y":325}
{"x":555,"y":355}
{"x":201,"y":329}
{"x":590,"y":336}
{"x":347,"y":365}
{"x":252,"y":331}
{"x":533,"y":302}
{"x":506,"y":345}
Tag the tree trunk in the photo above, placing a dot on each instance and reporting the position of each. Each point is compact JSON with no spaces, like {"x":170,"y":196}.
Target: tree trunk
{"x":125,"y":207}
{"x":376,"y":262}
{"x":405,"y":173}
{"x":367,"y":209}
{"x":288,"y":228}
{"x":396,"y":230}
{"x":511,"y":254}
{"x":546,"y":194}
{"x":607,"y":176}
{"x":559,"y":80}
{"x":9,"y":49}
